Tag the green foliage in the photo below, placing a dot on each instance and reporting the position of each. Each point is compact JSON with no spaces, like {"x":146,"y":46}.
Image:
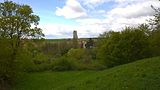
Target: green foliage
{"x":115,"y":48}
{"x":123,"y":47}
{"x":84,"y":59}
{"x":40,"y":58}
{"x":16,"y":20}
{"x":155,"y":33}
{"x":30,"y":59}
{"x":155,"y":42}
{"x":156,"y":21}
{"x":25,"y":61}
{"x":80,"y":55}
{"x":15,"y":24}
{"x":56,"y":49}
{"x":15,"y":27}
{"x":140,"y":75}
{"x":7,"y":67}
{"x":63,"y":64}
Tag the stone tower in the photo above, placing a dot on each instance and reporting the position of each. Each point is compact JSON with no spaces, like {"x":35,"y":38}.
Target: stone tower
{"x":75,"y":36}
{"x":75,"y":39}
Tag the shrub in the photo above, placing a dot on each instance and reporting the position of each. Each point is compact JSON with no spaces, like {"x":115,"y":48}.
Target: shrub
{"x":8,"y":68}
{"x":81,"y":56}
{"x":63,"y":64}
{"x":84,"y":59}
{"x":28,"y":62}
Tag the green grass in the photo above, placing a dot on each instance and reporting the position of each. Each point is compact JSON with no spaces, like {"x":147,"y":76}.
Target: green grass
{"x":140,"y":75}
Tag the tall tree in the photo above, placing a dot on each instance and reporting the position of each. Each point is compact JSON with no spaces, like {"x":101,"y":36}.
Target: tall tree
{"x":17,"y":22}
{"x":155,"y":34}
{"x":156,"y":21}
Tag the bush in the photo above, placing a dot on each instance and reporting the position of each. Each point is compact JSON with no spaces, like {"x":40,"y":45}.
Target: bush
{"x":82,"y":56}
{"x":8,"y":67}
{"x":84,"y":59}
{"x":29,"y":62}
{"x":63,"y":64}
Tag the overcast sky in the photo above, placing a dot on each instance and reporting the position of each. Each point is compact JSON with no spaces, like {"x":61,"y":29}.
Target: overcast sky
{"x":89,"y":17}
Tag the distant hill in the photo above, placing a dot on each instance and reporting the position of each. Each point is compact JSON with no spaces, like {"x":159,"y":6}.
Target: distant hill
{"x":67,"y":39}
{"x":140,"y":75}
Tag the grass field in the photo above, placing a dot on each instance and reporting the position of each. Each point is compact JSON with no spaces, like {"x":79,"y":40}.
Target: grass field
{"x":140,"y":75}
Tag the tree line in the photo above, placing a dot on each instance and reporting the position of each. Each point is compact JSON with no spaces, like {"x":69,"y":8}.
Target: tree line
{"x":130,"y":44}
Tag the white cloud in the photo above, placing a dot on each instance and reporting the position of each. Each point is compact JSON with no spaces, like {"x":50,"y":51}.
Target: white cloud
{"x":93,"y":3}
{"x":72,"y":9}
{"x":131,"y":14}
{"x":133,"y":10}
{"x":57,"y":30}
{"x":119,"y":23}
{"x":119,"y":17}
{"x":65,"y":31}
{"x":126,"y":13}
{"x":88,"y":21}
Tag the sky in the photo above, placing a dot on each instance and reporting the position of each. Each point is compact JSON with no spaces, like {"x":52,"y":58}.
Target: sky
{"x":59,"y":18}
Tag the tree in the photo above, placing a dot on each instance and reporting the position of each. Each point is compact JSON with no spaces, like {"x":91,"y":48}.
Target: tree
{"x":106,"y":46}
{"x":155,"y":33}
{"x":156,"y":21}
{"x":126,"y":46}
{"x":17,"y":23}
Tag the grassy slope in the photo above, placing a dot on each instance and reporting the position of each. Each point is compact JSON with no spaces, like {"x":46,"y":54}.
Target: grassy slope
{"x":140,"y":75}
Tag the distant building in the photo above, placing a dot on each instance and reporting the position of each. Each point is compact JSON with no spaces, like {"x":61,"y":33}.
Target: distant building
{"x":75,"y":39}
{"x":90,"y":43}
{"x":82,"y":43}
{"x":75,"y":36}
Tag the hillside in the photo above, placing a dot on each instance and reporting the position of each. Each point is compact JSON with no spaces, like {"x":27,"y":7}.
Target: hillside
{"x":140,"y":75}
{"x":68,"y":39}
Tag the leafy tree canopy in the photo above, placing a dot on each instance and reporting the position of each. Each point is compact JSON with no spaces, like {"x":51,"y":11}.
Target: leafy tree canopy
{"x":18,"y":21}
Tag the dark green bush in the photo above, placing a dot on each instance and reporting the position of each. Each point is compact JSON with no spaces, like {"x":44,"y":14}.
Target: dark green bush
{"x":8,"y":67}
